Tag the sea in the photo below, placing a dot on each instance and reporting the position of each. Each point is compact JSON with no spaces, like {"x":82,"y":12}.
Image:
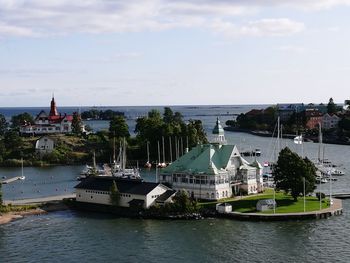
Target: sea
{"x":73,"y":236}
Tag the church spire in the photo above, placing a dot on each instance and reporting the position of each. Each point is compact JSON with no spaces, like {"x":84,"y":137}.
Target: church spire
{"x":53,"y":109}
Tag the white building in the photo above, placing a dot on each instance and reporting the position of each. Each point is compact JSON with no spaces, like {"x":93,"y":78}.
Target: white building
{"x":213,"y":171}
{"x":96,"y":189}
{"x":52,"y":123}
{"x":44,"y":144}
{"x":330,"y":121}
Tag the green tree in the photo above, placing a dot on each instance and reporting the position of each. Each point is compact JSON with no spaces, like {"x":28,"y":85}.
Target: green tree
{"x":12,"y":140}
{"x":331,"y":106}
{"x":183,"y":203}
{"x":3,"y":124}
{"x":115,"y":194}
{"x":118,"y":128}
{"x":21,"y":119}
{"x":290,"y":171}
{"x":77,"y":125}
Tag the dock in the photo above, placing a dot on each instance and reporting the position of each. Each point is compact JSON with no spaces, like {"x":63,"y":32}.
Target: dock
{"x":340,"y":195}
{"x":10,"y":180}
{"x":39,"y":200}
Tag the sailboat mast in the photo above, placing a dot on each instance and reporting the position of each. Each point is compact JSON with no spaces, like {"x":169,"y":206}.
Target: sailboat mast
{"x":124,"y":154}
{"x":22,"y":167}
{"x":319,"y":141}
{"x":278,"y":138}
{"x":158,"y":152}
{"x":171,"y":150}
{"x":147,"y":151}
{"x":163,"y":149}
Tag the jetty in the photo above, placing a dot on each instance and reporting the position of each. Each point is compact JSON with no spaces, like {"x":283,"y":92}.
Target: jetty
{"x":39,"y":200}
{"x":10,"y":180}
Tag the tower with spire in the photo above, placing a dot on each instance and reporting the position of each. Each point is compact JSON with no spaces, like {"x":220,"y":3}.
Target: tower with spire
{"x":53,"y":109}
{"x":218,"y":133}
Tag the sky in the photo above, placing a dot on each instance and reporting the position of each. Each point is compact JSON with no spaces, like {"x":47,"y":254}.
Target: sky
{"x":173,"y":52}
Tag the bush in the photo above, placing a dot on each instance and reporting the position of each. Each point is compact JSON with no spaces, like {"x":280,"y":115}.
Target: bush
{"x":323,"y":196}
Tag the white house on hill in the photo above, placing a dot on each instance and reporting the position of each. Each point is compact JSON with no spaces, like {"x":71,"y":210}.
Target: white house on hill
{"x":213,"y":171}
{"x":96,"y":189}
{"x":44,"y":144}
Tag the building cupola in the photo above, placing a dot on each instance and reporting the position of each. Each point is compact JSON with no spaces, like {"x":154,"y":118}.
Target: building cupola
{"x":218,"y":133}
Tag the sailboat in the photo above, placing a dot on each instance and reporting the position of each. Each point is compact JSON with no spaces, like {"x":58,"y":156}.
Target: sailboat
{"x":148,"y":164}
{"x":325,"y":168}
{"x":22,"y":177}
{"x":120,"y":170}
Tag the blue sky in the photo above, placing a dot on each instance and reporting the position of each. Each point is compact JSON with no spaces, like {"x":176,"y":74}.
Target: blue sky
{"x":163,"y":52}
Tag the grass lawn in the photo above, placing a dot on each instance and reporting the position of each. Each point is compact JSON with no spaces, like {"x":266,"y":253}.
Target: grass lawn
{"x":285,"y":203}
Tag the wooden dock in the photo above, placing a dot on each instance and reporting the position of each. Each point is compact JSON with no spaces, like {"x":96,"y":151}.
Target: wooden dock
{"x":39,"y":200}
{"x":10,"y":180}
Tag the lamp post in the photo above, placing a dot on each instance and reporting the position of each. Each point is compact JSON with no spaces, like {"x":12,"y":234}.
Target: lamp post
{"x":274,"y":199}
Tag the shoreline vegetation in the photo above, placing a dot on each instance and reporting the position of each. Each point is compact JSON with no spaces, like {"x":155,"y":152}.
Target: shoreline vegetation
{"x":297,"y":119}
{"x":79,"y":148}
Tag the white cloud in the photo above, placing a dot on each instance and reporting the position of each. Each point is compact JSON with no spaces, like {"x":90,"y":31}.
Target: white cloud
{"x":60,"y":17}
{"x":293,"y":49}
{"x":8,"y":30}
{"x":259,"y":28}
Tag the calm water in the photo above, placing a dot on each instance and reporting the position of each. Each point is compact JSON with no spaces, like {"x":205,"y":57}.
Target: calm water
{"x":88,"y":237}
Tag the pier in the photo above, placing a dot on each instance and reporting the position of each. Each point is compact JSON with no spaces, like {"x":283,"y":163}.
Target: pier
{"x":39,"y":200}
{"x":10,"y":180}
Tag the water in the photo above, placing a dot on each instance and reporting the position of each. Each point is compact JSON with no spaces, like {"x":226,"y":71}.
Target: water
{"x":88,"y":237}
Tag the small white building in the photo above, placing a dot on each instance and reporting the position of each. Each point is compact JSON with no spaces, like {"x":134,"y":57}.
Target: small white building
{"x":97,"y":190}
{"x":224,"y":208}
{"x":44,"y":144}
{"x":265,"y":204}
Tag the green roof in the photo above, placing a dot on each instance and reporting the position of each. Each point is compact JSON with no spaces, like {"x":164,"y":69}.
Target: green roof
{"x":206,"y":158}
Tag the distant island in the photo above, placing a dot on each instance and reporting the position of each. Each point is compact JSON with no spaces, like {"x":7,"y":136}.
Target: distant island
{"x":298,"y":119}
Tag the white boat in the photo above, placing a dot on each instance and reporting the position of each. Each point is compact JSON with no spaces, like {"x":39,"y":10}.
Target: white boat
{"x":148,"y":164}
{"x":119,"y":167}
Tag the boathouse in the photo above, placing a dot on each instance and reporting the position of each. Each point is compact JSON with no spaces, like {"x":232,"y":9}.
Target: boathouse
{"x":97,"y":190}
{"x":213,"y":171}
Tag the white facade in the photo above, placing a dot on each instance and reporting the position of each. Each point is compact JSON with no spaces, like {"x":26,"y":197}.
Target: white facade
{"x":330,"y":121}
{"x":44,"y":145}
{"x":103,"y":197}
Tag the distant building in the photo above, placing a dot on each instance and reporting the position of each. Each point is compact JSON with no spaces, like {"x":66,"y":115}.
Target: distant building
{"x":330,"y":121}
{"x":97,"y":190}
{"x":54,"y":123}
{"x":285,"y":111}
{"x":346,"y":106}
{"x":213,"y":171}
{"x":313,"y":118}
{"x":44,"y":145}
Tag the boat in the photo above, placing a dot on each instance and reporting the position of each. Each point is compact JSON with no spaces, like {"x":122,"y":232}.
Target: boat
{"x":321,"y":180}
{"x":119,"y":169}
{"x":148,"y":164}
{"x":323,"y":165}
